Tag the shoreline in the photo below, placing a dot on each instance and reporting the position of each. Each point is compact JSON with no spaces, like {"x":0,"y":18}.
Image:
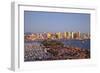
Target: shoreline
{"x":55,"y":40}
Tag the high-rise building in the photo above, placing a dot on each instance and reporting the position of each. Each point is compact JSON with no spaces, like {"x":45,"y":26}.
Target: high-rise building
{"x":68,"y":35}
{"x":49,"y":35}
{"x":76,"y":35}
{"x":71,"y":35}
{"x":65,"y":35}
{"x":59,"y":35}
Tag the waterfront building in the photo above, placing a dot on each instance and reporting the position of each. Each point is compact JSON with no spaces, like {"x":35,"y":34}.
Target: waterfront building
{"x":65,"y":35}
{"x":49,"y":35}
{"x":59,"y":35}
{"x":76,"y":35}
{"x":70,"y":35}
{"x":33,"y":37}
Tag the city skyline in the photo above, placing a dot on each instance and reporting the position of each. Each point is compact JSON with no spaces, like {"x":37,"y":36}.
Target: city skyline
{"x":36,"y":22}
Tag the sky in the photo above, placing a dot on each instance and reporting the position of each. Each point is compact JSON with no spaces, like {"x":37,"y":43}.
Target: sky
{"x":38,"y":21}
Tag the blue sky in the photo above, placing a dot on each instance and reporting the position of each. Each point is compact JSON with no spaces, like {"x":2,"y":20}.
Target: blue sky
{"x":35,"y":21}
